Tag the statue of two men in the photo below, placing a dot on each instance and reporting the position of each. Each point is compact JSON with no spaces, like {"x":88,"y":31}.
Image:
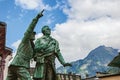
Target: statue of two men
{"x":44,"y":52}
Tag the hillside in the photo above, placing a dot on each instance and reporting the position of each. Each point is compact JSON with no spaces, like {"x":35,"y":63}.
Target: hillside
{"x":96,"y":61}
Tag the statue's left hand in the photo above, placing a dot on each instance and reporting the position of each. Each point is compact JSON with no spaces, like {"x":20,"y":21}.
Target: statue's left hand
{"x":67,"y":64}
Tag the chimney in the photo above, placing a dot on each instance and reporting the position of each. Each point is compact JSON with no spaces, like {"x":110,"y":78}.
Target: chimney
{"x":2,"y":36}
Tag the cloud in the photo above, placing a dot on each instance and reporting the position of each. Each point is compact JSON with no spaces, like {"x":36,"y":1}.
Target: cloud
{"x":28,"y":4}
{"x":35,"y":5}
{"x":16,"y":44}
{"x":84,"y":9}
{"x":90,"y":23}
{"x":77,"y":39}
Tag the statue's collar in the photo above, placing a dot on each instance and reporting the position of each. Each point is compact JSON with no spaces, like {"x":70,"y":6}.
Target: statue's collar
{"x":47,"y":37}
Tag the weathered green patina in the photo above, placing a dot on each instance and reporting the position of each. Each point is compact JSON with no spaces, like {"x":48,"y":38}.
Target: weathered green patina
{"x":25,"y":52}
{"x":47,"y":49}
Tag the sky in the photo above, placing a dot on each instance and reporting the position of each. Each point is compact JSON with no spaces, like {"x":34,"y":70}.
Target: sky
{"x":79,"y":25}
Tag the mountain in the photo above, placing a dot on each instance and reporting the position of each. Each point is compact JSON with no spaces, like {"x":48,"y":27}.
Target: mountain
{"x":96,"y":61}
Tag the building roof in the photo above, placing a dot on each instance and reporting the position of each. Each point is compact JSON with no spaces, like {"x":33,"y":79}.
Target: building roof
{"x":109,"y":75}
{"x":2,"y":24}
{"x":10,"y":49}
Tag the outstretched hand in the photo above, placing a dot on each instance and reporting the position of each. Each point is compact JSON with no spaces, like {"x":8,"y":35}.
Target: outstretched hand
{"x":67,"y":64}
{"x":41,"y":13}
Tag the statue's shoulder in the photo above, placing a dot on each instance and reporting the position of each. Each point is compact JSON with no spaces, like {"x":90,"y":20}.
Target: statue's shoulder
{"x":55,"y":40}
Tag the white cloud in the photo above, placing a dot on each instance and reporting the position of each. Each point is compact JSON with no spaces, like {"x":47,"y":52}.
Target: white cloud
{"x":16,"y":44}
{"x":28,"y":4}
{"x":78,"y":37}
{"x":35,"y":4}
{"x":84,"y":9}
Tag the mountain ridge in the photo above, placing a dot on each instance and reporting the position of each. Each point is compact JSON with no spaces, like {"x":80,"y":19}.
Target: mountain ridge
{"x":96,"y":61}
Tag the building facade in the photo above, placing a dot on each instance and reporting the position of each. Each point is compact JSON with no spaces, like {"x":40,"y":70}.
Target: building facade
{"x":5,"y":52}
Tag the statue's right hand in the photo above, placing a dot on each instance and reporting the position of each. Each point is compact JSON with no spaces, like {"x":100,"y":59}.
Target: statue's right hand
{"x":41,"y":13}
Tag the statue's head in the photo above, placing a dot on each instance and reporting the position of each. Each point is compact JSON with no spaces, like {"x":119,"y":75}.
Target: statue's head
{"x":33,"y":36}
{"x":46,"y":30}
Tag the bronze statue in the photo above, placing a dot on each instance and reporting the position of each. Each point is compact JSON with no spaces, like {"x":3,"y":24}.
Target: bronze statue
{"x":47,"y":49}
{"x":18,"y":68}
